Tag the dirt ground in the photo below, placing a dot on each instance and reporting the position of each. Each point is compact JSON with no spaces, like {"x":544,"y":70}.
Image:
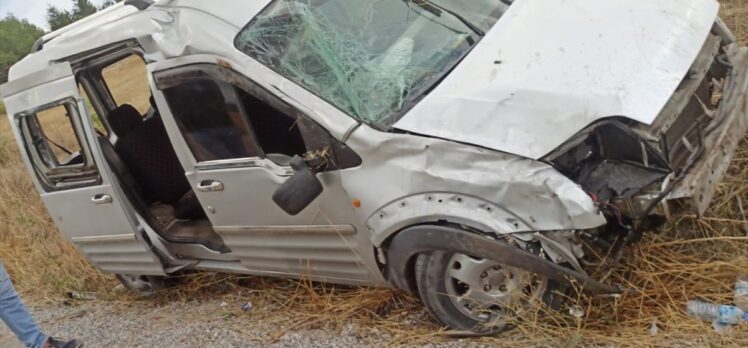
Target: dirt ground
{"x":690,"y":258}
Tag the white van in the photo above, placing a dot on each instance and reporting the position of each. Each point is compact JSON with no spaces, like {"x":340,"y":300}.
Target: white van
{"x":477,"y":153}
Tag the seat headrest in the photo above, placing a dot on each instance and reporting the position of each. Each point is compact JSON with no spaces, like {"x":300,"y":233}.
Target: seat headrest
{"x":123,"y":119}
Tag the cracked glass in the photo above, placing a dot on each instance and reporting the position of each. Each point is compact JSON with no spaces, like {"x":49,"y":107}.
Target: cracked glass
{"x":371,"y":59}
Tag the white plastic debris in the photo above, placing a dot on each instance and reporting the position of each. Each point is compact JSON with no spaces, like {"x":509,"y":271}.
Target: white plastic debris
{"x":719,"y":315}
{"x":653,"y":329}
{"x":84,"y":296}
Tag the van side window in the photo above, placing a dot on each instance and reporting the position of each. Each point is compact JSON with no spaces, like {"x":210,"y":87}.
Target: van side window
{"x":53,"y":137}
{"x":212,"y":120}
{"x":127,"y":81}
{"x":56,"y":128}
{"x":223,"y":115}
{"x":277,"y":132}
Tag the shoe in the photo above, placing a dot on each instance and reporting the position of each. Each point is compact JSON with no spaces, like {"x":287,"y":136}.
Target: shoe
{"x":58,"y":343}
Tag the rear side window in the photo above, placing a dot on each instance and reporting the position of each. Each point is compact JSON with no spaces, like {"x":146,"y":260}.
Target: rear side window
{"x":54,"y":140}
{"x":127,"y":80}
{"x":57,"y":129}
{"x":211,"y":118}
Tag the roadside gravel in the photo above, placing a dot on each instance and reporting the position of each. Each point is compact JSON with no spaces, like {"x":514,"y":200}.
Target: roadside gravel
{"x":213,"y":323}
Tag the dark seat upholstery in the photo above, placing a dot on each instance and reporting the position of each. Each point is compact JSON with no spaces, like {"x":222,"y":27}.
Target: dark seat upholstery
{"x":192,"y":231}
{"x":127,"y":181}
{"x":123,"y":119}
{"x":145,"y":148}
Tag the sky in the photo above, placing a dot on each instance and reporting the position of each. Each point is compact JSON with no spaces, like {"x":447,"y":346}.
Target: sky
{"x":35,"y":11}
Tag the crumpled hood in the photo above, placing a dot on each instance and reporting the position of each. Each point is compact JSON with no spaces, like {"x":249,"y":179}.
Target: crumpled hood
{"x":549,"y":68}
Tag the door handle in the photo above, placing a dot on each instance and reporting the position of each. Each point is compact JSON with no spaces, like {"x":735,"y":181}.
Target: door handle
{"x":101,"y":199}
{"x":210,"y":186}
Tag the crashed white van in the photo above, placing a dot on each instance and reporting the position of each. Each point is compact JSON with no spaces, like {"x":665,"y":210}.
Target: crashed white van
{"x":477,"y":153}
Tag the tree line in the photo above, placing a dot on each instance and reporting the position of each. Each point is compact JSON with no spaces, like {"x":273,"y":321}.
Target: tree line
{"x":17,"y":36}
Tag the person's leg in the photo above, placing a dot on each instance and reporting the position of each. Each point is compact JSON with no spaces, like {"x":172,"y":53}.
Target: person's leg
{"x":15,"y":314}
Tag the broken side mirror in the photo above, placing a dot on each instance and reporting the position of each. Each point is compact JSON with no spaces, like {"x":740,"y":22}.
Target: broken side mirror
{"x":300,"y":190}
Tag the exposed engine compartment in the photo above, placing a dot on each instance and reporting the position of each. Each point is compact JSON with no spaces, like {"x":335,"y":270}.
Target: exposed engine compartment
{"x":631,"y":168}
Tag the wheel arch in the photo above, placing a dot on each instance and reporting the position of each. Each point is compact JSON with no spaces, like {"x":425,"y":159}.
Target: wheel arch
{"x":404,"y":247}
{"x":455,"y":210}
{"x":402,"y":275}
{"x":435,"y":207}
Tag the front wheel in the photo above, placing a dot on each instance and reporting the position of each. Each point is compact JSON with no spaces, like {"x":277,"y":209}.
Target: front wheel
{"x":478,"y":295}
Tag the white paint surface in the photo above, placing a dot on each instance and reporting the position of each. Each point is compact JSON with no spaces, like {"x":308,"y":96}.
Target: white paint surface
{"x":549,"y":68}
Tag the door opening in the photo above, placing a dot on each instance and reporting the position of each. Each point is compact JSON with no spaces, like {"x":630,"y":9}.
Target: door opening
{"x":137,"y":149}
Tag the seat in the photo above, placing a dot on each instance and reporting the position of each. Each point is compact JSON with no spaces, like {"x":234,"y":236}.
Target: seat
{"x":161,"y":217}
{"x":123,"y":119}
{"x":130,"y":186}
{"x":145,"y":148}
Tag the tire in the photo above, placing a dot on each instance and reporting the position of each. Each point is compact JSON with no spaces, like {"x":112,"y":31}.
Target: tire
{"x":432,"y":279}
{"x":143,"y":285}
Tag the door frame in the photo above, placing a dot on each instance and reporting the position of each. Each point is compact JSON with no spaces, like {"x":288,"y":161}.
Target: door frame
{"x":342,"y":248}
{"x":114,"y":243}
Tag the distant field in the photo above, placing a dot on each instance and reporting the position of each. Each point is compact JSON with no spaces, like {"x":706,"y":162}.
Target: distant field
{"x":688,"y":259}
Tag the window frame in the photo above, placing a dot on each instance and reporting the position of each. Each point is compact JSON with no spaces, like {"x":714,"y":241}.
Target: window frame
{"x":311,"y":131}
{"x":181,"y":75}
{"x":84,"y":86}
{"x":52,"y":175}
{"x":88,"y":74}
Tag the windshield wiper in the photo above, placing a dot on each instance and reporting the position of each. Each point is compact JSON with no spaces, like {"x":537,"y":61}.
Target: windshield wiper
{"x":430,"y":6}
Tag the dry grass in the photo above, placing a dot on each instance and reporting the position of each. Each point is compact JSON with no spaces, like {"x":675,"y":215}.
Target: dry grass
{"x":132,"y":83}
{"x":735,"y":15}
{"x":691,"y":258}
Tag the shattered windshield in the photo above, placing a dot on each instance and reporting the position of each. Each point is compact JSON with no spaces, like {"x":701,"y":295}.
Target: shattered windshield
{"x":370,"y":58}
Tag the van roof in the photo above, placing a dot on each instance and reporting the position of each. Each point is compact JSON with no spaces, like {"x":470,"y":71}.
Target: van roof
{"x":122,"y":22}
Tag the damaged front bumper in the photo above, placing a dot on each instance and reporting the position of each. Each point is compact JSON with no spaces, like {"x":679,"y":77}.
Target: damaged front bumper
{"x":692,"y":190}
{"x":672,"y":166}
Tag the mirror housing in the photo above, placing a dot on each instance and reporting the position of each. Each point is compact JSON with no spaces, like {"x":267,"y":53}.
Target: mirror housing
{"x":300,"y":190}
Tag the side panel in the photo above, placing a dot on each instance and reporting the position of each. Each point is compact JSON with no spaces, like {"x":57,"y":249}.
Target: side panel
{"x":321,"y":242}
{"x":123,"y":254}
{"x":328,"y":252}
{"x":102,"y":230}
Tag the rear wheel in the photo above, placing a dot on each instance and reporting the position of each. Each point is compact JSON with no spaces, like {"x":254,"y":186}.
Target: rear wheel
{"x":142,"y":284}
{"x":478,"y":295}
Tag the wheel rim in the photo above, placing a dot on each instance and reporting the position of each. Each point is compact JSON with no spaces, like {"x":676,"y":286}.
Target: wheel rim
{"x":488,"y":291}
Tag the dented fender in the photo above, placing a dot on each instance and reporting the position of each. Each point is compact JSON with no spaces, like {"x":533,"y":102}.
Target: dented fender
{"x":429,"y":180}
